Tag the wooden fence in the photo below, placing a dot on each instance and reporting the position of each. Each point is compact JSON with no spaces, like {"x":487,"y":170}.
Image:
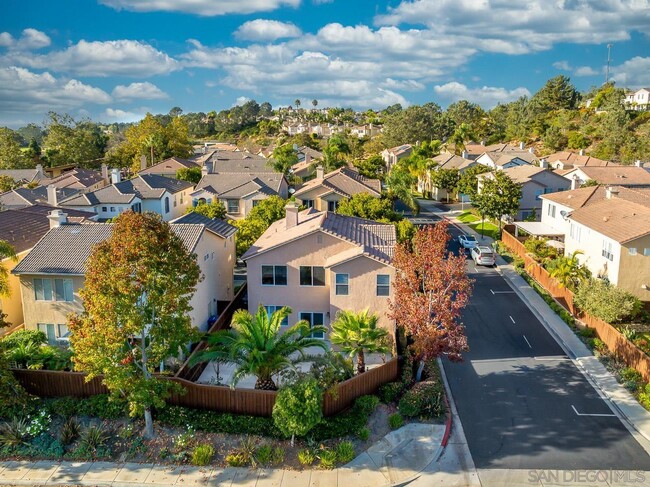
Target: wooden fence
{"x":616,"y":342}
{"x":48,"y":383}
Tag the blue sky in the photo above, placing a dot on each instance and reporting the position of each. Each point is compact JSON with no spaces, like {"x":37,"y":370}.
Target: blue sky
{"x":114,"y":60}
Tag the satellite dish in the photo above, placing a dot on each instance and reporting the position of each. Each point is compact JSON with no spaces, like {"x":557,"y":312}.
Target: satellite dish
{"x":564,"y":214}
{"x":291,"y":190}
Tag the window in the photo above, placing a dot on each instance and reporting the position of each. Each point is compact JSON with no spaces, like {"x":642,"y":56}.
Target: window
{"x":575,"y":232}
{"x":59,"y":290}
{"x":548,"y":190}
{"x":48,"y":329}
{"x":63,"y":331}
{"x":181,"y":198}
{"x":272,"y":309}
{"x":104,"y":209}
{"x":63,"y":289}
{"x":256,"y":202}
{"x":137,"y":208}
{"x":607,"y":250}
{"x":233,"y":206}
{"x":308,"y":203}
{"x":332,"y":205}
{"x":538,"y":193}
{"x":166,"y":204}
{"x":112,"y":209}
{"x":43,"y":289}
{"x":551,"y":211}
{"x":314,"y":319}
{"x":175,"y":202}
{"x":383,"y":285}
{"x":646,"y":251}
{"x":342,"y":284}
{"x":312,"y":276}
{"x":274,"y":275}
{"x":632,"y":251}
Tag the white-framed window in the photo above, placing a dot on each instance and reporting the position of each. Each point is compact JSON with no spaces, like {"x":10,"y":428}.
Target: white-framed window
{"x":43,"y":289}
{"x":342,"y":284}
{"x":233,"y":206}
{"x":53,"y":289}
{"x":312,"y":275}
{"x":332,"y":205}
{"x":274,"y":275}
{"x":314,"y":319}
{"x":551,"y":211}
{"x":607,"y":250}
{"x":575,"y":232}
{"x":308,"y":203}
{"x":272,"y":309}
{"x":64,"y":332}
{"x":646,"y":251}
{"x":383,"y":284}
{"x":48,"y":329}
{"x":632,"y":251}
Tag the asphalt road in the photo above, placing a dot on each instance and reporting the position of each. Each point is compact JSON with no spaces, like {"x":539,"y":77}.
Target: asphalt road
{"x":522,"y":402}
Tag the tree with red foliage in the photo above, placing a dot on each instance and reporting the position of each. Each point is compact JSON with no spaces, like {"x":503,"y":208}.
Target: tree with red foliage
{"x":431,"y":289}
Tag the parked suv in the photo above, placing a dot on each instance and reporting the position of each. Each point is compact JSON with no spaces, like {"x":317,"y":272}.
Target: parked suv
{"x":468,"y":241}
{"x":483,"y":255}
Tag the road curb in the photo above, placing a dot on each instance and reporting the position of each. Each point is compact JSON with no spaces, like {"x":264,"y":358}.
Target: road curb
{"x":445,"y":437}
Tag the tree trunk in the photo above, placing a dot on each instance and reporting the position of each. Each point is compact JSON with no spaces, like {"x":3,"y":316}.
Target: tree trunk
{"x":293,"y":437}
{"x":265,"y":384}
{"x":152,"y":154}
{"x":418,"y":374}
{"x":148,"y":424}
{"x":361,"y":362}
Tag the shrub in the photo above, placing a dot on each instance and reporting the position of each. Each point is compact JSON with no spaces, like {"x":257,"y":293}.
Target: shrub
{"x":327,"y":458}
{"x":105,"y":407}
{"x":13,"y":433}
{"x":277,"y":456}
{"x":390,"y":392}
{"x":364,"y":434}
{"x":236,"y":459}
{"x":644,"y":397}
{"x":69,"y":431}
{"x":202,"y":420}
{"x":298,"y":408}
{"x":64,"y":406}
{"x":38,"y":423}
{"x":263,"y":454}
{"x":202,"y":455}
{"x":609,"y":303}
{"x":367,"y":404}
{"x":342,"y":424}
{"x":24,"y":337}
{"x":628,"y":374}
{"x":93,"y":439}
{"x":345,"y":452}
{"x":424,"y":399}
{"x":598,"y":345}
{"x":628,"y":332}
{"x":395,"y":421}
{"x":587,"y":332}
{"x":306,"y":457}
{"x":45,"y":445}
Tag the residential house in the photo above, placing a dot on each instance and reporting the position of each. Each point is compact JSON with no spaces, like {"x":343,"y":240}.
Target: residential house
{"x":84,"y":180}
{"x":556,"y":207}
{"x":238,"y":162}
{"x":307,"y":159}
{"x":609,"y":175}
{"x":473,"y":150}
{"x":25,"y":176}
{"x":22,"y":229}
{"x":638,"y":100}
{"x":23,"y":197}
{"x":535,"y":182}
{"x":395,"y":154}
{"x":443,"y":161}
{"x":169,"y":167}
{"x":506,"y":159}
{"x":166,"y":196}
{"x":318,"y":263}
{"x":52,"y":273}
{"x":565,"y":160}
{"x":210,"y":146}
{"x":327,"y":190}
{"x":367,"y":130}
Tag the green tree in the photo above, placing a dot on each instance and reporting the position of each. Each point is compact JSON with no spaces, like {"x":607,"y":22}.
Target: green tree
{"x":136,"y":296}
{"x":568,"y":271}
{"x":283,"y":158}
{"x":70,"y":141}
{"x":358,"y":334}
{"x":417,"y":123}
{"x":363,"y":205}
{"x":298,"y":408}
{"x":257,"y":221}
{"x":576,"y":140}
{"x":258,"y":346}
{"x":465,"y":112}
{"x":607,"y":302}
{"x":589,"y":182}
{"x":468,"y":184}
{"x":463,"y":133}
{"x":11,"y":157}
{"x":554,"y":138}
{"x":190,"y":174}
{"x":556,"y":94}
{"x":372,"y":167}
{"x":499,"y":196}
{"x":446,"y":179}
{"x":7,"y":252}
{"x":7,"y":184}
{"x":335,"y":152}
{"x":214,"y":209}
{"x":314,"y":102}
{"x":400,"y":182}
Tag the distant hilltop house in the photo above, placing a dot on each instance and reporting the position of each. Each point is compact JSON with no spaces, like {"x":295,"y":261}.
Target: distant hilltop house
{"x":474,"y":149}
{"x":567,"y":160}
{"x":638,"y":100}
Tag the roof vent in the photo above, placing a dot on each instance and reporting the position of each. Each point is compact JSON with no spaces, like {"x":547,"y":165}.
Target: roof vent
{"x":605,"y":218}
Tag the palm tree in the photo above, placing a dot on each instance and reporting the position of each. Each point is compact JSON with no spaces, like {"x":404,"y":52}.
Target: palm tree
{"x":257,"y":347}
{"x":462,"y":134}
{"x":358,"y":334}
{"x":297,"y":102}
{"x":568,"y":271}
{"x":6,"y":252}
{"x":314,"y":102}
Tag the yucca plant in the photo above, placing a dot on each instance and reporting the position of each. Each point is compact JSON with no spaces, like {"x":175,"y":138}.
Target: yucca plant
{"x":93,"y":438}
{"x":13,"y":433}
{"x":69,"y":431}
{"x":257,"y":347}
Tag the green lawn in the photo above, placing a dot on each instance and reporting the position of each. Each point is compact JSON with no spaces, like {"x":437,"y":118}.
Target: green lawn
{"x":468,"y":217}
{"x":471,"y":220}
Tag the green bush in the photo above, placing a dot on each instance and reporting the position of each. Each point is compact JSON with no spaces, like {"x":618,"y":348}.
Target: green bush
{"x":644,"y":397}
{"x":345,"y":452}
{"x":395,"y":421}
{"x":364,"y":434}
{"x":390,"y":392}
{"x":609,"y":303}
{"x":104,"y":406}
{"x":263,"y":454}
{"x":587,"y":332}
{"x":277,"y":456}
{"x":628,"y":374}
{"x":93,"y":439}
{"x":65,"y":407}
{"x":236,"y":459}
{"x":69,"y":431}
{"x":352,"y":420}
{"x":213,"y":422}
{"x":598,"y":345}
{"x":367,"y":404}
{"x":298,"y":408}
{"x":202,"y":455}
{"x":327,"y":458}
{"x":306,"y":457}
{"x":24,"y":337}
{"x":424,"y":399}
{"x":13,"y":433}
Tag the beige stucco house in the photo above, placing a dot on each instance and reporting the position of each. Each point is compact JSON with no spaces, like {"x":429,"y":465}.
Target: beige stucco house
{"x":395,"y":154}
{"x":318,"y":262}
{"x":52,"y":273}
{"x":326,"y":190}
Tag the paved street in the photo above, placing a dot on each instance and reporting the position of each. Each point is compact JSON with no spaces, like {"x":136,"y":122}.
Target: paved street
{"x":522,"y":402}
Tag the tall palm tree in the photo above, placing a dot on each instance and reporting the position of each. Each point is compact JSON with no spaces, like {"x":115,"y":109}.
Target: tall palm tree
{"x":358,"y":334}
{"x":6,"y":252}
{"x":462,"y":134}
{"x":314,"y":102}
{"x":297,"y":102}
{"x":257,"y":347}
{"x":568,"y":271}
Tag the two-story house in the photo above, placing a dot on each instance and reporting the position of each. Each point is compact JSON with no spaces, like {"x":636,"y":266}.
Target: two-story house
{"x":84,"y":180}
{"x":52,"y":273}
{"x":507,"y":159}
{"x":307,"y":160}
{"x":638,"y":100}
{"x":168,"y":167}
{"x":327,"y":190}
{"x":443,"y":161}
{"x":318,"y":262}
{"x":395,"y":154}
{"x":609,"y":175}
{"x":565,"y":160}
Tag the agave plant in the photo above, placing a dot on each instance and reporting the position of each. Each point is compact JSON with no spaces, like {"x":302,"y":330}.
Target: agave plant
{"x":258,"y":347}
{"x":13,"y":433}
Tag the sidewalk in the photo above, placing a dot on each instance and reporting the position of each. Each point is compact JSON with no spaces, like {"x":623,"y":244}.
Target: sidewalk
{"x":634,"y":416}
{"x":395,"y":459}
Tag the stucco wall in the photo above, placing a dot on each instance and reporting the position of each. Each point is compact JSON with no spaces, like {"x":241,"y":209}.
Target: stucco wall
{"x":12,"y":305}
{"x":591,"y":244}
{"x":634,"y":270}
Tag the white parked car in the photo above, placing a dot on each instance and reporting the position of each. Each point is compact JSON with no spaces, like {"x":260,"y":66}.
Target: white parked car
{"x":468,"y":241}
{"x":483,"y":255}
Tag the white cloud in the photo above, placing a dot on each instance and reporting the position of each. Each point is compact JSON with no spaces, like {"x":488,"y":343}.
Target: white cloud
{"x":562,"y":65}
{"x":240,"y":101}
{"x":101,"y":58}
{"x":405,"y":85}
{"x":29,"y":39}
{"x":586,"y":71}
{"x":486,"y":96}
{"x":23,"y":91}
{"x":633,"y":73}
{"x":266,"y":30}
{"x":201,"y":7}
{"x":142,"y":91}
{"x":118,"y":115}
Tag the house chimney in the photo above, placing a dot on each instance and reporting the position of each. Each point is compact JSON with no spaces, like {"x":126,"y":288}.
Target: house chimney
{"x":638,"y":163}
{"x":574,"y":182}
{"x":543,"y":163}
{"x":39,"y":171}
{"x":143,"y":162}
{"x":57,"y":218}
{"x":291,"y":214}
{"x":611,"y":192}
{"x":105,"y":172}
{"x":320,"y":172}
{"x":52,"y":198}
{"x":205,"y":170}
{"x":116,"y":177}
{"x":531,"y":150}
{"x":307,"y":159}
{"x":465,"y":154}
{"x":522,"y":145}
{"x":483,"y":142}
